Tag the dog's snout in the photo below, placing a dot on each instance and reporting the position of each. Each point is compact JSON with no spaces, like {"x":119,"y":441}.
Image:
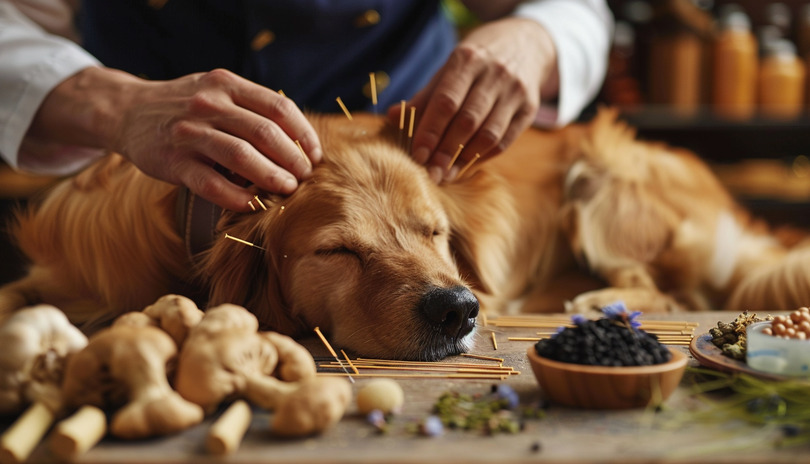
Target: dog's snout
{"x":452,"y":310}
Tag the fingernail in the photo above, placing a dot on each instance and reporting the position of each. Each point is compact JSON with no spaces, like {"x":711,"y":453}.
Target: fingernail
{"x":451,"y":174}
{"x":316,"y":155}
{"x":436,"y":173}
{"x":289,"y":185}
{"x":421,"y":154}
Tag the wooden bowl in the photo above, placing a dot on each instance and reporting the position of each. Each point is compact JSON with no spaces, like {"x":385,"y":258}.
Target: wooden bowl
{"x":602,"y":387}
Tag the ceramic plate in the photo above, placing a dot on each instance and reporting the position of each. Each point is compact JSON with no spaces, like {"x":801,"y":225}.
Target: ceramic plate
{"x":711,"y":356}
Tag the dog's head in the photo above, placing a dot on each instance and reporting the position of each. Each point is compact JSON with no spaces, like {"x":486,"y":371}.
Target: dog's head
{"x":361,"y":250}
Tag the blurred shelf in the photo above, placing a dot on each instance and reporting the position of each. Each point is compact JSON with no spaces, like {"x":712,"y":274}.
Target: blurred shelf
{"x":722,"y":140}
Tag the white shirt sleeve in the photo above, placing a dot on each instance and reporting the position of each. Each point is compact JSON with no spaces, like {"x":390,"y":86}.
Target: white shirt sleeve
{"x":33,"y":63}
{"x":581,"y":31}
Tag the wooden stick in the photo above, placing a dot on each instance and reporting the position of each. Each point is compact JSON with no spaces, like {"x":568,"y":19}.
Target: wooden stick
{"x":304,"y":154}
{"x":481,"y":370}
{"x":409,"y":146}
{"x":329,"y":347}
{"x":467,"y":166}
{"x":226,"y":434}
{"x":544,"y":320}
{"x":259,"y":201}
{"x":373,"y":82}
{"x":350,"y":362}
{"x":395,"y":362}
{"x":401,"y":133}
{"x":461,"y":368}
{"x":343,"y":107}
{"x":455,"y":157}
{"x":281,"y":92}
{"x":482,"y":357}
{"x":420,"y":376}
{"x":244,"y":242}
{"x":23,"y":436}
{"x":78,"y":433}
{"x":494,"y":341}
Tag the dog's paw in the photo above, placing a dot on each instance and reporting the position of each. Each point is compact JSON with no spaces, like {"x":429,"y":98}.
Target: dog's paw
{"x":636,"y":299}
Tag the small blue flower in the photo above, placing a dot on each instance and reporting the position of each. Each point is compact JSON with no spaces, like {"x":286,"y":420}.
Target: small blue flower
{"x":376,"y":418}
{"x":615,"y":310}
{"x":634,"y":322}
{"x":579,"y":319}
{"x":506,"y":392}
{"x":432,"y":426}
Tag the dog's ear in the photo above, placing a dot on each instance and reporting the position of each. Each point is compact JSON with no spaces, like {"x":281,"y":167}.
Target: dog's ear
{"x":246,"y":275}
{"x":480,"y":244}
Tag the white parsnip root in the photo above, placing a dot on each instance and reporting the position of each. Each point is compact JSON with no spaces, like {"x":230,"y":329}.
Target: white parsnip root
{"x":226,"y":434}
{"x":78,"y":433}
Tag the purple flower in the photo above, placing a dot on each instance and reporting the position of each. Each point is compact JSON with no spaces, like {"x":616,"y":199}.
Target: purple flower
{"x":615,"y":310}
{"x":506,"y":392}
{"x":619,"y":312}
{"x":432,"y":426}
{"x":376,"y":418}
{"x":579,"y":319}
{"x":634,"y":322}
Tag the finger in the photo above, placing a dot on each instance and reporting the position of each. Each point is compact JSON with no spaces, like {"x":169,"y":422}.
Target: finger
{"x":476,"y":108}
{"x":204,"y":181}
{"x":500,"y":130}
{"x":519,"y":123}
{"x":268,"y":139}
{"x":237,"y":155}
{"x":443,"y":99}
{"x":282,"y":111}
{"x":491,"y":132}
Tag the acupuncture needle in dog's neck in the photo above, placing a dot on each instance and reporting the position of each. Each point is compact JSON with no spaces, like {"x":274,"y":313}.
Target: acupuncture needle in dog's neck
{"x":329,"y":347}
{"x":372,"y":78}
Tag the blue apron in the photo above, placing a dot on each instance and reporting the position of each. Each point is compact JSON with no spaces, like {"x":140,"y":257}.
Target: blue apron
{"x":313,"y":50}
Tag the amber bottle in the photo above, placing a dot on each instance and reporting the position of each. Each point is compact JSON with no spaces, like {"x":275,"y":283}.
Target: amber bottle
{"x":734,"y":80}
{"x":781,"y":82}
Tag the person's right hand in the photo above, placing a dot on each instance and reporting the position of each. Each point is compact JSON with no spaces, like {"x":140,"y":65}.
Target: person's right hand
{"x":179,"y":130}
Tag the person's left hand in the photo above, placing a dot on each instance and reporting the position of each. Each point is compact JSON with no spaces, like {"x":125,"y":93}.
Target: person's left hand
{"x":484,"y":96}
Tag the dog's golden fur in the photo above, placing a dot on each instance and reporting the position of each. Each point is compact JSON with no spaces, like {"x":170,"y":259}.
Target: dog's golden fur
{"x":581,"y":216}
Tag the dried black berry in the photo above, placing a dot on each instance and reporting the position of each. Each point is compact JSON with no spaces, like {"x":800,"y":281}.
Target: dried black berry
{"x":613,"y":340}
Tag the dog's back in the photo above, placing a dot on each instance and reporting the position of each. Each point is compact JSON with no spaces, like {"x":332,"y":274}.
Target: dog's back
{"x":99,"y":243}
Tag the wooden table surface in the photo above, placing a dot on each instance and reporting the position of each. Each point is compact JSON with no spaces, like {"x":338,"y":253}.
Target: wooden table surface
{"x":564,"y":435}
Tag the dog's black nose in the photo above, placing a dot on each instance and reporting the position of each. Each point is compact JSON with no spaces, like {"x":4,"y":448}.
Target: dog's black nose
{"x":452,"y":310}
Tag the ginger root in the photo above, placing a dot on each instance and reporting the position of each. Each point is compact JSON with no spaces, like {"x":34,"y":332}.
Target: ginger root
{"x":226,"y":357}
{"x":176,"y":315}
{"x":317,"y":404}
{"x":126,"y":365}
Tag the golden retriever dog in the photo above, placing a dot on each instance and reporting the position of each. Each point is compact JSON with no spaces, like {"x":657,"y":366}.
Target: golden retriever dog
{"x":391,"y":265}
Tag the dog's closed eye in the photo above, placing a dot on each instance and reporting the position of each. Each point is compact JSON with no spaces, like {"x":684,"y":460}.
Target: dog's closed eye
{"x":339,"y":251}
{"x":435,"y":231}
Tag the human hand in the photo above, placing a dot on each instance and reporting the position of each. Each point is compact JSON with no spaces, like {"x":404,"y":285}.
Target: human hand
{"x":179,"y":130}
{"x":484,"y":96}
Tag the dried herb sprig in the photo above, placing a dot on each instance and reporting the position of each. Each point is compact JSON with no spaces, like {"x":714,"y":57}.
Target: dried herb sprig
{"x":785,"y":403}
